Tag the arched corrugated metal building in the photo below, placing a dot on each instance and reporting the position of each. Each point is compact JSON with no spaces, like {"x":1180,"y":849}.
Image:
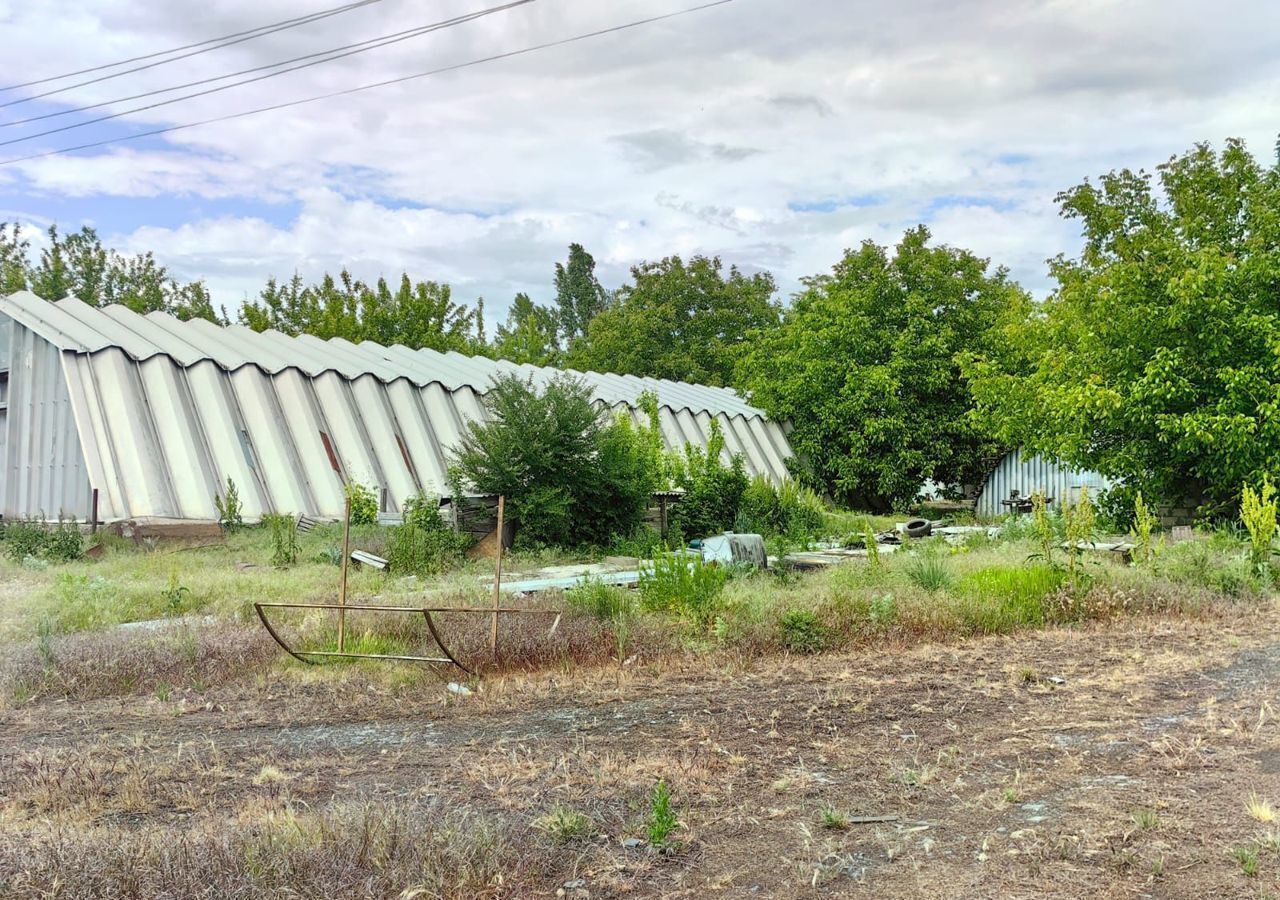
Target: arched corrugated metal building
{"x":155,"y":414}
{"x":1027,"y":474}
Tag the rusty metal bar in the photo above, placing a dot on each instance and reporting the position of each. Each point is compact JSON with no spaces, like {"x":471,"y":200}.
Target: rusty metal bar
{"x":279,"y":640}
{"x":342,"y":587}
{"x":497,"y":581}
{"x":355,"y":607}
{"x":431,"y":626}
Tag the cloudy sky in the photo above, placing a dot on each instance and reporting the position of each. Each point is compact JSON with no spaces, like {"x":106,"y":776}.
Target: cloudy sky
{"x":774,"y":133}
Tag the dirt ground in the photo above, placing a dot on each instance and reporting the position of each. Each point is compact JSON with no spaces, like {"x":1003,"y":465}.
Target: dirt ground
{"x":1117,"y":761}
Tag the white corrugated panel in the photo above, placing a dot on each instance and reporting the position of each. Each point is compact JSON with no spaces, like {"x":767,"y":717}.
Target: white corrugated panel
{"x":1028,"y":474}
{"x":156,"y":414}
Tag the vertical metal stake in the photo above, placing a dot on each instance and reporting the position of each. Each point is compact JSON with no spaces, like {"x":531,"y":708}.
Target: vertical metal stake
{"x":93,"y":521}
{"x":342,"y":587}
{"x":497,"y":583}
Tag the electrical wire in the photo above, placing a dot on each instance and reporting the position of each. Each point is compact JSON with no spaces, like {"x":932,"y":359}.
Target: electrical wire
{"x":238,"y":37}
{"x":360,"y":47}
{"x":366,"y":87}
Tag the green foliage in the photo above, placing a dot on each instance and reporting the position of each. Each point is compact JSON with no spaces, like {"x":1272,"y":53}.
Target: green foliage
{"x":418,"y":315}
{"x":713,"y":491}
{"x":25,"y":540}
{"x":928,"y":570}
{"x":865,"y":366}
{"x":1144,"y":525}
{"x":529,"y":334}
{"x":791,"y":510}
{"x":681,"y":321}
{"x":175,"y":595}
{"x":284,"y":538}
{"x":579,"y":296}
{"x":803,"y":631}
{"x":603,"y":602}
{"x":872,"y":547}
{"x":999,"y":599}
{"x":423,"y":544}
{"x":1258,"y":513}
{"x":882,"y":612}
{"x":77,"y":265}
{"x":662,"y":819}
{"x":1155,"y":359}
{"x":364,"y":503}
{"x":570,"y":477}
{"x":230,"y":509}
{"x":685,"y":584}
{"x":1115,"y":508}
{"x":1081,"y":525}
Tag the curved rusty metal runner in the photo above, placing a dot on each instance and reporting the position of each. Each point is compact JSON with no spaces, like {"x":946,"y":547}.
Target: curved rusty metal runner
{"x":425,"y":611}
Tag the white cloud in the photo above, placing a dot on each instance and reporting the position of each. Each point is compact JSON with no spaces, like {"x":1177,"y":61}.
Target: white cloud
{"x":708,"y":133}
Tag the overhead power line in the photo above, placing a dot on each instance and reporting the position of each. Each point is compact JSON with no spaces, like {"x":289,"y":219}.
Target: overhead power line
{"x":225,"y":40}
{"x":328,"y":56}
{"x":366,"y":87}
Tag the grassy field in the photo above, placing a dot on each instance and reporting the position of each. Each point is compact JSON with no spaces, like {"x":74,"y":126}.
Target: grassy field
{"x":952,"y":720}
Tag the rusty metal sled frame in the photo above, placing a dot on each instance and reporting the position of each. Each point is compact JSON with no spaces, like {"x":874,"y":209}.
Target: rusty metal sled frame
{"x":342,"y":607}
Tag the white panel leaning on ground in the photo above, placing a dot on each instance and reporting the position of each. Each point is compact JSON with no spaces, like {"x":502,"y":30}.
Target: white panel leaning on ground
{"x":155,"y":414}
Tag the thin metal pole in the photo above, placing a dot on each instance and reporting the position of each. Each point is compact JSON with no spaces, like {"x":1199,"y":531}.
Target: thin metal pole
{"x":497,"y":583}
{"x":342,"y":588}
{"x":93,"y":525}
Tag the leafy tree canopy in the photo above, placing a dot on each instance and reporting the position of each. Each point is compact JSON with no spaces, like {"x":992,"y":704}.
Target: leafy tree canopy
{"x":1157,"y":359}
{"x":685,"y":322}
{"x":865,"y":367}
{"x":416,"y":314}
{"x":579,"y":296}
{"x":78,"y":265}
{"x":529,"y":334}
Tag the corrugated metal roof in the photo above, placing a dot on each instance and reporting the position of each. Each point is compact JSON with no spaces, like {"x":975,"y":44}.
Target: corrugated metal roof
{"x":79,"y":328}
{"x":164,"y":411}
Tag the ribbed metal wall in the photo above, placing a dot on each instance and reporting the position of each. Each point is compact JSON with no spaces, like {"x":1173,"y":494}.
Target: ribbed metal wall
{"x":167,"y":410}
{"x":44,"y":468}
{"x":1028,"y":474}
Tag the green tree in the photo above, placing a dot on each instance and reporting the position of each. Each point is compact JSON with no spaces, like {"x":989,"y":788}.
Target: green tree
{"x":579,"y":296}
{"x":15,"y":265}
{"x":417,"y":314}
{"x":52,"y":278}
{"x":570,"y":474}
{"x":1157,"y":358}
{"x":529,"y":334}
{"x":865,"y":367}
{"x":685,"y":322}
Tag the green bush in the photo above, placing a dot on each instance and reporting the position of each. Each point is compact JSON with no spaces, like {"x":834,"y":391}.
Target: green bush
{"x":63,"y":543}
{"x":570,"y":475}
{"x":684,"y":584}
{"x":883,"y":611}
{"x":791,"y":510}
{"x":364,"y":504}
{"x":423,"y":549}
{"x":713,"y":491}
{"x":803,"y":631}
{"x":1116,"y":508}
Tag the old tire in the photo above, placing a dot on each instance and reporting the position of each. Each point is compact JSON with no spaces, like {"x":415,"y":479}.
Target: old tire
{"x":918,"y":528}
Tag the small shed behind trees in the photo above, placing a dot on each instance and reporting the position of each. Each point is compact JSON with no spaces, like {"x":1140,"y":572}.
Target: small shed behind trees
{"x":154,"y":414}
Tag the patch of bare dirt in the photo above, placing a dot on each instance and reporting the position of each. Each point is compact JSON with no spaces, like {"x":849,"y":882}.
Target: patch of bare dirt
{"x":1110,"y":762}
